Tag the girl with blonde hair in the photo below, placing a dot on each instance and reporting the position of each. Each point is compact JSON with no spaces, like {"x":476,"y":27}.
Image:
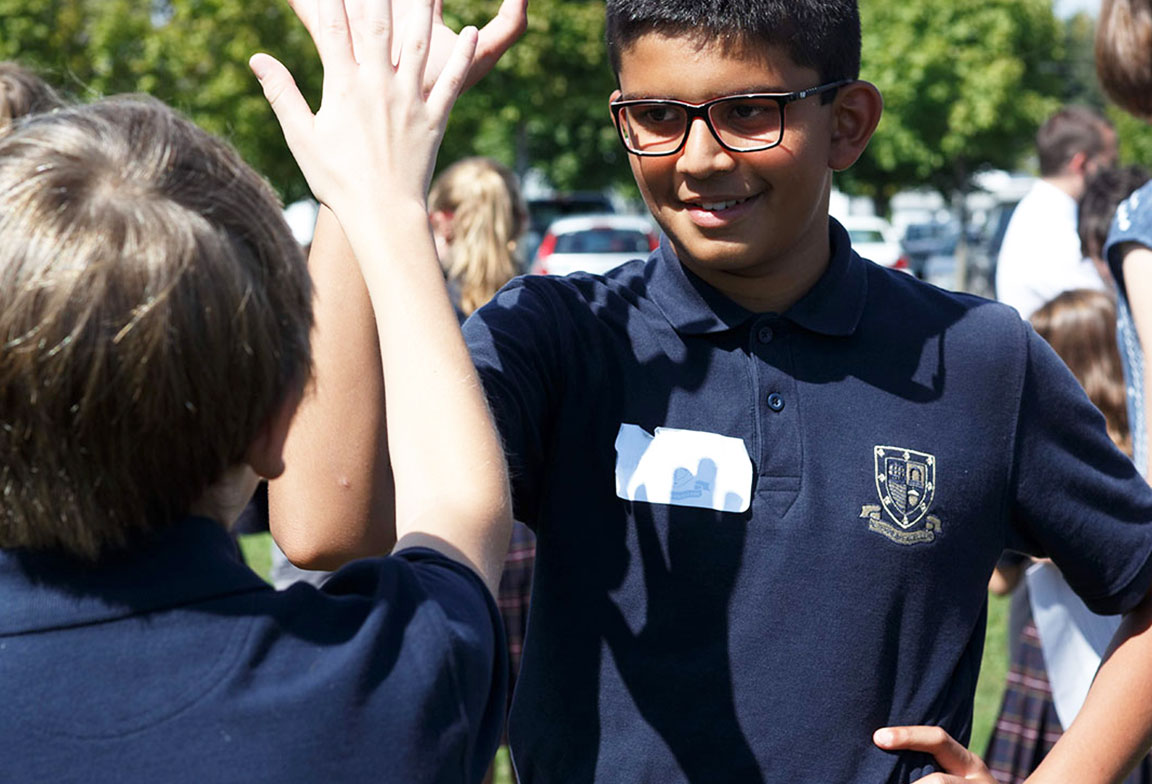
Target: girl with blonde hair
{"x":477,"y":215}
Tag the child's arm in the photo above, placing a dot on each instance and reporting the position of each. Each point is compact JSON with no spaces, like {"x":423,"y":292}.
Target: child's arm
{"x":368,"y":155}
{"x":1109,"y":736}
{"x":335,"y":499}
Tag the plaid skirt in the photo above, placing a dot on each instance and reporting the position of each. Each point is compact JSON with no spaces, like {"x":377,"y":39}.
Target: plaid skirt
{"x":1028,"y":727}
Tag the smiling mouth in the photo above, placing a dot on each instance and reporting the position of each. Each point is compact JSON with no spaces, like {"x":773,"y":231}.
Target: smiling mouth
{"x":718,"y":206}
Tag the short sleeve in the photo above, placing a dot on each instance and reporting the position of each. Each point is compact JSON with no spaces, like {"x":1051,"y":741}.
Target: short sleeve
{"x":517,"y":345}
{"x":1077,"y":498}
{"x":1131,"y":224}
{"x":476,"y":637}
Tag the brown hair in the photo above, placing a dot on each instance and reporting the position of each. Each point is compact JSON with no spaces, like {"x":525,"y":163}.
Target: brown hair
{"x":1124,"y":54}
{"x":488,"y":215}
{"x":1103,"y":192}
{"x":154,"y":312}
{"x":22,"y":93}
{"x":1080,"y":325}
{"x":1072,"y":130}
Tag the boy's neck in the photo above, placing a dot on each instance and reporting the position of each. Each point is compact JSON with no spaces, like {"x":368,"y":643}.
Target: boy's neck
{"x":773,"y":287}
{"x":227,"y":497}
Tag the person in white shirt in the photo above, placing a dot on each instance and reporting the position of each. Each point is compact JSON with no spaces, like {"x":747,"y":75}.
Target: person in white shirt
{"x":1040,"y":256}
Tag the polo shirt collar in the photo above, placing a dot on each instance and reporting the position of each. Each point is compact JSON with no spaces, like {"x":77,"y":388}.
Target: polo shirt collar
{"x":190,"y":561}
{"x":832,"y":307}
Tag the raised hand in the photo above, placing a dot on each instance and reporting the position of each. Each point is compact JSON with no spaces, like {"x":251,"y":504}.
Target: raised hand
{"x":959,"y":764}
{"x":375,"y":136}
{"x":494,"y":38}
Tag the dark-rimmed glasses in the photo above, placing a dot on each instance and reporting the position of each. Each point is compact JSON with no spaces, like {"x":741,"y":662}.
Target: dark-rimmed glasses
{"x":740,"y":123}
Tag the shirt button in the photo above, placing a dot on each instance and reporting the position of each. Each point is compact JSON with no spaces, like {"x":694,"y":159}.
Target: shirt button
{"x":776,"y":401}
{"x":765,"y":335}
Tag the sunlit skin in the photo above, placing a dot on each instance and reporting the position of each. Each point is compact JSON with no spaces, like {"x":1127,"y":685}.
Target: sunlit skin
{"x":768,"y":250}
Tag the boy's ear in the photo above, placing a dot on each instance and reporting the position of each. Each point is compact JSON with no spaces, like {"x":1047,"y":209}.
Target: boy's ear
{"x":856,"y":113}
{"x":614,"y":96}
{"x":1078,"y":164}
{"x":265,"y":454}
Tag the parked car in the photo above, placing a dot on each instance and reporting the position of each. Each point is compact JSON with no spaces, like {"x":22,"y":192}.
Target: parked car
{"x":875,"y":239}
{"x":923,"y":241}
{"x":593,"y":243}
{"x":542,"y":211}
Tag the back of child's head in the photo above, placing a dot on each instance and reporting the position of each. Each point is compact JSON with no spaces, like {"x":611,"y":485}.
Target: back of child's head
{"x":1103,"y":191}
{"x":23,"y":93}
{"x":820,"y":34}
{"x":488,"y":216}
{"x":1071,"y":130}
{"x":154,"y":313}
{"x":1080,"y":325}
{"x":1124,"y":54}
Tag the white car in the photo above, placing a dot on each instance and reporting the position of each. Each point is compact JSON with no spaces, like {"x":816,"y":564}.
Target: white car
{"x":876,"y":240}
{"x":593,"y":243}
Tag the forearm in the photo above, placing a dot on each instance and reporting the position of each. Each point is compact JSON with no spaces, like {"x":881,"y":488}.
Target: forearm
{"x":1114,"y":727}
{"x":334,"y":501}
{"x":446,"y":458}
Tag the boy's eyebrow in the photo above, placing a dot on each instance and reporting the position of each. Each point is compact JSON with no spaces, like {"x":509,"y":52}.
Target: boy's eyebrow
{"x":747,"y":90}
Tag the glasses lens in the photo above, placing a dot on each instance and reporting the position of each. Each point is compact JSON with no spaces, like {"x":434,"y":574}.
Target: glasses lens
{"x":652,"y":127}
{"x":747,"y":123}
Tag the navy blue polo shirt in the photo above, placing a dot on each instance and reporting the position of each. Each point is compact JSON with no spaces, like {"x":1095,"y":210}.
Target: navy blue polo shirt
{"x":899,"y":437}
{"x":176,"y":663}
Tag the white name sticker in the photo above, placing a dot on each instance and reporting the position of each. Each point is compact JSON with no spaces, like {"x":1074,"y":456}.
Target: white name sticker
{"x":683,"y":468}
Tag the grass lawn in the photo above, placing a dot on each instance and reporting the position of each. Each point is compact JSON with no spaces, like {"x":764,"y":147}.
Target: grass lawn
{"x":988,"y":690}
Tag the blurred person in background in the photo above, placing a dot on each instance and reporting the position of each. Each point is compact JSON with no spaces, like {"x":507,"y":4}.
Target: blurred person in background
{"x":1080,"y":325}
{"x":1124,"y":66}
{"x":1040,"y":256}
{"x":22,"y":92}
{"x":1105,"y":190}
{"x":477,"y":216}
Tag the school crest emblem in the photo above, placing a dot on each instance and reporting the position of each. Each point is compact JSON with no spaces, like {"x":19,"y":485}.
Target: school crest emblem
{"x":906,"y":485}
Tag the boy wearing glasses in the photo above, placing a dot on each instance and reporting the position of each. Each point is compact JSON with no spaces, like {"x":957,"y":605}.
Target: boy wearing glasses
{"x":769,"y":478}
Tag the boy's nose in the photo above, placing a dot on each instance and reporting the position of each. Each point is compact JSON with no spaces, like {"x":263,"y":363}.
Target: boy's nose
{"x":703,"y":154}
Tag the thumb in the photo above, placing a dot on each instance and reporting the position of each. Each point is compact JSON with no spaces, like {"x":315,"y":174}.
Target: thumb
{"x":282,"y":94}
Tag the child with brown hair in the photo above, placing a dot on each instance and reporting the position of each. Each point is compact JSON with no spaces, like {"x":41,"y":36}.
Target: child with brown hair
{"x":155,"y":314}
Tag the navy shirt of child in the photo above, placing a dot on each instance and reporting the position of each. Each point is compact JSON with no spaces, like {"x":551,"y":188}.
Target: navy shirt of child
{"x":761,"y":537}
{"x":176,"y":663}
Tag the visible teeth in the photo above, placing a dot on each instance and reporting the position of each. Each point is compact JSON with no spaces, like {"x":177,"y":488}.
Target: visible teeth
{"x":720,"y":205}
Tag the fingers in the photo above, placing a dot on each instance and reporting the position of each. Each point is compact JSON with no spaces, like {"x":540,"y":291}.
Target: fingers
{"x":283,"y":96}
{"x":414,"y":49}
{"x":306,"y":12}
{"x":949,"y":754}
{"x":374,"y":33}
{"x":497,"y":36}
{"x":451,"y":81}
{"x":334,"y":39}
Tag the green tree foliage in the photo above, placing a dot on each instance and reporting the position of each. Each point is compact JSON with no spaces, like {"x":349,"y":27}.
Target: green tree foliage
{"x":545,"y":105}
{"x":192,"y":54}
{"x":966,"y":84}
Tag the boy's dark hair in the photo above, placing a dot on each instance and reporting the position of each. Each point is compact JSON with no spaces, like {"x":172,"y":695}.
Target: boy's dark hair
{"x":1072,"y":130}
{"x":1103,"y":192}
{"x":819,"y":34}
{"x":1124,"y":54}
{"x":22,"y":93}
{"x":154,"y":313}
